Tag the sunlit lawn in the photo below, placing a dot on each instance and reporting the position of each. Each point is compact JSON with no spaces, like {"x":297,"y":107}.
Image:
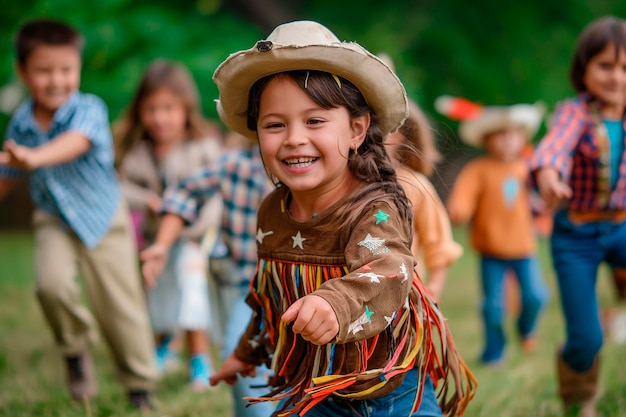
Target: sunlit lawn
{"x":32,"y":378}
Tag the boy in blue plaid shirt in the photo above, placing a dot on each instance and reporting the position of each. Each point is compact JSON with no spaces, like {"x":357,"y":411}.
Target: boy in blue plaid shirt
{"x":61,"y":139}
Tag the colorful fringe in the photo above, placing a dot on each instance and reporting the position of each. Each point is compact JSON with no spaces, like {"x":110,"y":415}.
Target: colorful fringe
{"x":420,"y":338}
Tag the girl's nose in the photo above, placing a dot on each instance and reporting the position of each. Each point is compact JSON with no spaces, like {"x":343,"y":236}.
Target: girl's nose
{"x":295,"y":137}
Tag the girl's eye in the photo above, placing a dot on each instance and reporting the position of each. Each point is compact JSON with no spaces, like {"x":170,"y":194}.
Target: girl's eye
{"x":605,"y":65}
{"x":315,"y":121}
{"x":273,"y":125}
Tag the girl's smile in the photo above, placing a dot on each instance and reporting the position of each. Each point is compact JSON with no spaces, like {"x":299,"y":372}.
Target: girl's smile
{"x":306,"y":146}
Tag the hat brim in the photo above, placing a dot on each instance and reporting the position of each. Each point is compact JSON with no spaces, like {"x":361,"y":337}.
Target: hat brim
{"x":379,"y":85}
{"x":494,"y":119}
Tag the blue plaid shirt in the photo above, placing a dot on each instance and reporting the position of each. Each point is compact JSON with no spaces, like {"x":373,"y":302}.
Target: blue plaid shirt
{"x":240,"y":178}
{"x":83,"y":193}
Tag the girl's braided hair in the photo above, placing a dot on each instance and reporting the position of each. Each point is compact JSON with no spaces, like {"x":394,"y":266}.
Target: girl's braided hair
{"x":370,"y":163}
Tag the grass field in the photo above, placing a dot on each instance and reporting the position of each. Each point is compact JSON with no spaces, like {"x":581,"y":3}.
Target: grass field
{"x":32,"y":378}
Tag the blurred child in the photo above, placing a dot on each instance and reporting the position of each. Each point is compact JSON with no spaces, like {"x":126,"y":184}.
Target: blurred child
{"x":580,"y":170}
{"x":337,"y":313}
{"x":162,"y":139}
{"x":412,"y":145}
{"x":61,"y":138}
{"x":239,"y":178}
{"x":491,"y":192}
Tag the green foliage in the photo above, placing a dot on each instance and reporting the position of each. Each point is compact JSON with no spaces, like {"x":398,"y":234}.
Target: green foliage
{"x":488,"y":51}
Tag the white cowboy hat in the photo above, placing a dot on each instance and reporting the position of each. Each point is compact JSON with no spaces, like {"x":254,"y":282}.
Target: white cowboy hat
{"x":494,"y":118}
{"x":303,"y":45}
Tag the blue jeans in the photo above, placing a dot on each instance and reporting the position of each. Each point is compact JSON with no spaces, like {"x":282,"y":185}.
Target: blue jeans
{"x":577,"y":251}
{"x":398,"y":403}
{"x":534,"y":296}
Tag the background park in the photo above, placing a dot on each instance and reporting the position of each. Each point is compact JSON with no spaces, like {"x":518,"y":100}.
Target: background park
{"x":487,"y":51}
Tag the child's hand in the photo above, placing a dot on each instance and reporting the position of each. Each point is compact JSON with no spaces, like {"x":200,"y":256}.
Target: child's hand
{"x":230,"y":368}
{"x":17,"y":156}
{"x":314,"y":318}
{"x":154,"y":258}
{"x":154,"y":203}
{"x":551,"y":189}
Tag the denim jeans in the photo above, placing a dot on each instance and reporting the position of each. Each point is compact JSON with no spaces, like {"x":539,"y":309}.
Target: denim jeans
{"x":236,"y":315}
{"x":398,"y":403}
{"x":534,"y":296}
{"x":577,"y":251}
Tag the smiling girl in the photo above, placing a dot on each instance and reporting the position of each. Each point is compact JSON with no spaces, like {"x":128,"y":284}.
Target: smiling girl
{"x":337,"y":313}
{"x":580,"y":170}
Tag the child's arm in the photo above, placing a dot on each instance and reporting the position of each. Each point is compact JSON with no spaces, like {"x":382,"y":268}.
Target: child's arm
{"x":181,"y":205}
{"x":551,"y":189}
{"x":436,"y":281}
{"x":432,"y":235}
{"x":551,"y":162}
{"x":155,"y":256}
{"x":231,"y":367}
{"x":366,"y":300}
{"x":63,"y":148}
{"x":463,"y":199}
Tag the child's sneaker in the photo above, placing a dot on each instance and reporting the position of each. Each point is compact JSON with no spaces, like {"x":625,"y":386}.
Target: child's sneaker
{"x":529,"y":344}
{"x":200,"y":369}
{"x":167,"y":359}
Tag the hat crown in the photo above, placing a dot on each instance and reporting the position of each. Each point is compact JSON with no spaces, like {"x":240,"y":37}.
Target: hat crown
{"x":302,"y":33}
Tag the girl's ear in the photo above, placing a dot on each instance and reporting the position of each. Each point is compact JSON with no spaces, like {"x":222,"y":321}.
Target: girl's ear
{"x":360,"y":124}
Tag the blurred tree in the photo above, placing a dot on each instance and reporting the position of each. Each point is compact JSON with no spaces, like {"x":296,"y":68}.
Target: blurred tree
{"x":488,"y":51}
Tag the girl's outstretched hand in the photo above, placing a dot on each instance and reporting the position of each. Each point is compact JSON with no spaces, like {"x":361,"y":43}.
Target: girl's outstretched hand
{"x":314,"y":318}
{"x":551,"y":189}
{"x":230,"y":368}
{"x":154,"y":258}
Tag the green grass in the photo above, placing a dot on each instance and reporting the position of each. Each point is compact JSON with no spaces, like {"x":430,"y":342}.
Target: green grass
{"x":32,"y":378}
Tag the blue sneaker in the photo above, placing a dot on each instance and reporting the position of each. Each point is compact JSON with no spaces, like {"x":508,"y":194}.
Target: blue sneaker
{"x":200,"y":369}
{"x":167,"y":359}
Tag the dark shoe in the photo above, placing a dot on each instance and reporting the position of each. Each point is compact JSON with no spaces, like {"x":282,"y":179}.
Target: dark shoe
{"x":140,"y":400}
{"x":80,"y":376}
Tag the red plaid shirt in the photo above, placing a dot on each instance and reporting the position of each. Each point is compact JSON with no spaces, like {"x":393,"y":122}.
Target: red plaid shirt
{"x":571,"y":147}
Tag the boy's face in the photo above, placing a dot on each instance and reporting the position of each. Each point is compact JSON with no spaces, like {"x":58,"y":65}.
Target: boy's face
{"x":506,"y":144}
{"x":52,"y":74}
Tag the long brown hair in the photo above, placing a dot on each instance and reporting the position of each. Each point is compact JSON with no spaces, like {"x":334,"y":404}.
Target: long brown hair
{"x":175,"y":77}
{"x":370,"y":163}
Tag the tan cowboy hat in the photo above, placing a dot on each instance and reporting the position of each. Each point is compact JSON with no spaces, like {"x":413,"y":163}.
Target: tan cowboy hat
{"x":477,"y":121}
{"x":495,"y":118}
{"x":303,"y":45}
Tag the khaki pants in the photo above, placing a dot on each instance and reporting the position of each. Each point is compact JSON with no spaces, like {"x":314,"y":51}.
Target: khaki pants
{"x":114,"y":290}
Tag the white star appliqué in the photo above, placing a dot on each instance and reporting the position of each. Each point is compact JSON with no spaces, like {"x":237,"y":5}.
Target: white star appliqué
{"x":260,"y":235}
{"x":374,"y":244}
{"x":390,"y":319}
{"x":404,"y":272}
{"x":298,"y":240}
{"x":371,"y":275}
{"x":357,"y":325}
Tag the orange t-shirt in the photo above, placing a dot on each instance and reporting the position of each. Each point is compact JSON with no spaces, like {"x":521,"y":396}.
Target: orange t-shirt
{"x":493,"y":195}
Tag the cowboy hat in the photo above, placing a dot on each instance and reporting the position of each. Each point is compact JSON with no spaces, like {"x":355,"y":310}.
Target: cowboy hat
{"x":478,"y":121}
{"x":303,"y":45}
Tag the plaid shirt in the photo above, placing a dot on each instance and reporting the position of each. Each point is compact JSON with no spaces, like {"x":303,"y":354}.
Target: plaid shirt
{"x":240,"y":177}
{"x":571,"y":147}
{"x":83,"y":193}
